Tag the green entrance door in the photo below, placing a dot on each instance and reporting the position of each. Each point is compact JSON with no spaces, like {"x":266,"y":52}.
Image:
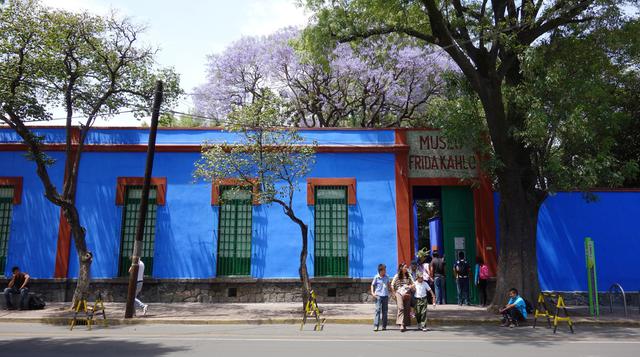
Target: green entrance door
{"x":459,"y":235}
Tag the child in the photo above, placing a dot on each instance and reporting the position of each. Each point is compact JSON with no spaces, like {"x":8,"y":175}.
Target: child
{"x":422,"y":289}
{"x":380,"y":287}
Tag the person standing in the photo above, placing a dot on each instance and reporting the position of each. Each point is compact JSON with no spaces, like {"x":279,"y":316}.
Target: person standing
{"x":482,"y":279}
{"x":461,"y":270}
{"x":438,"y":271}
{"x":422,"y":289}
{"x":380,"y":287}
{"x":424,"y":267}
{"x":402,"y":286}
{"x":139,"y":283}
{"x":19,"y":284}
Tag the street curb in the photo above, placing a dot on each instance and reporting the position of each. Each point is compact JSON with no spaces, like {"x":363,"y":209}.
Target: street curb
{"x":290,"y":321}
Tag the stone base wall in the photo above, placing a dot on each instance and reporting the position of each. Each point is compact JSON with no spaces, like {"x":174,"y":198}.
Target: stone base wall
{"x":581,"y":298}
{"x":245,"y":290}
{"x":210,"y":290}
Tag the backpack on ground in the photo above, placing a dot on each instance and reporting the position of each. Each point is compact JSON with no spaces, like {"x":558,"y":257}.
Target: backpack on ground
{"x":528,"y":306}
{"x":36,"y":302}
{"x":462,"y":268}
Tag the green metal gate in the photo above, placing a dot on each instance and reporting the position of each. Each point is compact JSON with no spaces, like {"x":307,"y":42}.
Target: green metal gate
{"x":6,"y":206}
{"x":459,"y":235}
{"x":331,"y":224}
{"x":235,"y":228}
{"x":129,"y":221}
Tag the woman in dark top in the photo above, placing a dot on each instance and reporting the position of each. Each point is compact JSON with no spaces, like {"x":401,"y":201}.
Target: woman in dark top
{"x":402,"y":286}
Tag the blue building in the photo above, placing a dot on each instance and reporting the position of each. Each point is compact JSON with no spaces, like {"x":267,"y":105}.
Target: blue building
{"x":365,"y":202}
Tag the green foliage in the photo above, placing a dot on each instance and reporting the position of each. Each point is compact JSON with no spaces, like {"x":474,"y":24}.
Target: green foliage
{"x":268,"y":152}
{"x":170,"y":120}
{"x":88,"y":65}
{"x":580,"y":90}
{"x":569,"y":97}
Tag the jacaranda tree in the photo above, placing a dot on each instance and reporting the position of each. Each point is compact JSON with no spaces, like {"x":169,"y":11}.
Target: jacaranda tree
{"x":376,"y":84}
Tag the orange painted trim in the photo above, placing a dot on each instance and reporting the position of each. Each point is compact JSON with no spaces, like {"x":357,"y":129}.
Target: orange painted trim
{"x":63,"y":248}
{"x":484,"y":216}
{"x":159,"y":182}
{"x":63,"y":245}
{"x":16,"y":182}
{"x":350,"y":182}
{"x":404,"y":237}
{"x":215,"y":188}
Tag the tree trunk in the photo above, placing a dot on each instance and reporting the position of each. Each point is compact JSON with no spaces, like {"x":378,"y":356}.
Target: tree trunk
{"x":517,"y":260}
{"x":302,"y":270}
{"x":520,"y":199}
{"x":304,"y":273}
{"x":85,"y":257}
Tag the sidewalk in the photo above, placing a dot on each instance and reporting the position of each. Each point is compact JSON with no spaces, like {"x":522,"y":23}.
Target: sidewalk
{"x":282,"y":313}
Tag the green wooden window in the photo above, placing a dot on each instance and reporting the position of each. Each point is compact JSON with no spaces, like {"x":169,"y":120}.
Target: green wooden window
{"x":331,"y":227}
{"x":234,"y":231}
{"x":6,"y":206}
{"x":133,"y":197}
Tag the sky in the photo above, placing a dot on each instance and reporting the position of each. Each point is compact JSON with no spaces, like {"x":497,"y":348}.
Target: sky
{"x":186,"y":31}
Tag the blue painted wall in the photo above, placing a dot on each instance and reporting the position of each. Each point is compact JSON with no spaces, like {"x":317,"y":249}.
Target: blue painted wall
{"x":34,"y":226}
{"x":566,"y":218}
{"x":196,"y":137}
{"x":187,"y":225}
{"x":184,"y":230}
{"x":563,"y":223}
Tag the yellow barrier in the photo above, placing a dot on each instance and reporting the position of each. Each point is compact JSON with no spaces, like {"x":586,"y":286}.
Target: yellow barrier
{"x":89,"y":312}
{"x":555,"y":318}
{"x":311,"y":310}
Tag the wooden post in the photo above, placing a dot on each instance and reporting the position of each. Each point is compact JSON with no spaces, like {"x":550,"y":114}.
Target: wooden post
{"x":144,"y":202}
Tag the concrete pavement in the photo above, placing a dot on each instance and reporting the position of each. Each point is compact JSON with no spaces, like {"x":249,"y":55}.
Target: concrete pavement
{"x":264,"y":313}
{"x":336,"y":340}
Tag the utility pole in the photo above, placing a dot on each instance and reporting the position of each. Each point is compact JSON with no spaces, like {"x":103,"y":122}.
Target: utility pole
{"x":144,"y":202}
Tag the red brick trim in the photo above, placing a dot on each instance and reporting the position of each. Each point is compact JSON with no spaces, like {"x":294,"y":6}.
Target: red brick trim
{"x":215,"y":188}
{"x":350,"y":182}
{"x":16,"y":182}
{"x":159,"y":182}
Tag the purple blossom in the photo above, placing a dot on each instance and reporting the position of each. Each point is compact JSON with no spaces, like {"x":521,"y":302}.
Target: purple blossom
{"x":374,"y":84}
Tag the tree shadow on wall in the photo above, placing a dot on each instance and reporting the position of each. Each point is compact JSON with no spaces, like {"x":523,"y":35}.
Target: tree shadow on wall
{"x":84,"y":347}
{"x":259,"y":242}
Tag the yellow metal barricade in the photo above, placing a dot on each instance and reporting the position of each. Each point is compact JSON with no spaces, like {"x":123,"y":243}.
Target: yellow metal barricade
{"x":552,"y":318}
{"x":89,"y":311}
{"x":311,"y":310}
{"x":542,"y":311}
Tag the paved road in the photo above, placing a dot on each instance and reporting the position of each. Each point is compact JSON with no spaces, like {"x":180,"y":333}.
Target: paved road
{"x":335,"y":341}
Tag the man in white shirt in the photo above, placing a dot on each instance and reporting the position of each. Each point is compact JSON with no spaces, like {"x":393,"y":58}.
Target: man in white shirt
{"x":139,"y":282}
{"x":422,"y":289}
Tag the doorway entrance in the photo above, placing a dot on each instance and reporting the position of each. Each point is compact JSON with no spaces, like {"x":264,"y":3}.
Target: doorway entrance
{"x":444,"y":218}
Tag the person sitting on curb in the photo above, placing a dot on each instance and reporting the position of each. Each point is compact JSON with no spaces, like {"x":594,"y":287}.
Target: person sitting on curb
{"x":19,"y":284}
{"x":515,"y":312}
